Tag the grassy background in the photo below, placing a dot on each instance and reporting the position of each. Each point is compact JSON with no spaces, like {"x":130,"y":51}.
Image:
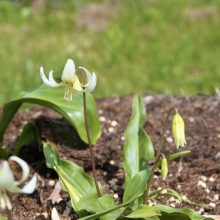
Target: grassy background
{"x":148,"y":46}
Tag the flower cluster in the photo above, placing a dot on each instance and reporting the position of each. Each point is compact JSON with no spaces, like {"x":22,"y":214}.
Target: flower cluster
{"x":70,"y":79}
{"x":9,"y":184}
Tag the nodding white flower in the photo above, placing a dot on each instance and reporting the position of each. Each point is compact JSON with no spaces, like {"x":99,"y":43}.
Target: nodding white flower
{"x":178,"y":130}
{"x":70,"y":80}
{"x":9,"y":184}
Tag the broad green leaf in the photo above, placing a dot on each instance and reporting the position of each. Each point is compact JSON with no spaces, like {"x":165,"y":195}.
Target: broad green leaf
{"x":53,"y":98}
{"x":29,"y":136}
{"x":136,"y":186}
{"x":143,"y":211}
{"x":168,"y":213}
{"x":98,"y":205}
{"x":73,"y":177}
{"x":114,"y":211}
{"x":177,"y":155}
{"x":138,"y":148}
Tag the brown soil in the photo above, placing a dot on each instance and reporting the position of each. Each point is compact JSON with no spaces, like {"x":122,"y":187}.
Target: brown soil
{"x":199,"y":179}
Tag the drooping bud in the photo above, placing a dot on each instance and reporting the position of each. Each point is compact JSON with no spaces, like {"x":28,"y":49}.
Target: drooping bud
{"x":178,"y":130}
{"x":164,"y":168}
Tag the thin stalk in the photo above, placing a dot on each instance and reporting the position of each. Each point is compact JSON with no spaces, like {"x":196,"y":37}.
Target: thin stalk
{"x":90,"y":145}
{"x":157,"y":159}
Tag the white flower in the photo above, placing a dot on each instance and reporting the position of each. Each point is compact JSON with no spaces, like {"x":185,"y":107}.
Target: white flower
{"x":70,"y":80}
{"x":178,"y":130}
{"x":9,"y":184}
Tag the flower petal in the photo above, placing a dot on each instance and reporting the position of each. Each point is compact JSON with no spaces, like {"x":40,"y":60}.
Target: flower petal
{"x":69,"y":70}
{"x":45,"y":80}
{"x":7,"y":202}
{"x":77,"y":85}
{"x":92,"y":83}
{"x":24,"y":166}
{"x":2,"y":201}
{"x":52,"y":80}
{"x":30,"y":186}
{"x":91,"y":80}
{"x":6,"y":176}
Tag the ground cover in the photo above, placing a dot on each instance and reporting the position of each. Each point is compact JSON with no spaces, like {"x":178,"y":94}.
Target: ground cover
{"x":197,"y":180}
{"x":149,"y":44}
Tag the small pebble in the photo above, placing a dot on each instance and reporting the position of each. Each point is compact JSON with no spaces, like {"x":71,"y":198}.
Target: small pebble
{"x":202,"y":184}
{"x":111,"y":129}
{"x":201,"y":211}
{"x":51,"y":182}
{"x":102,"y":119}
{"x":212,"y":204}
{"x":207,"y":190}
{"x":115,"y":195}
{"x":112,"y":162}
{"x":104,"y":173}
{"x":211,"y":179}
{"x":100,"y":111}
{"x":114,"y":123}
{"x":169,"y":140}
{"x":217,"y":156}
{"x":172,"y":199}
{"x":191,"y":119}
{"x":216,"y":198}
{"x":203,"y":178}
{"x":122,"y":138}
{"x":172,"y":205}
{"x":178,"y":186}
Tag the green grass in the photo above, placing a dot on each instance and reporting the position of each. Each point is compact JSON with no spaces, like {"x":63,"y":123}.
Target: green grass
{"x":148,"y":47}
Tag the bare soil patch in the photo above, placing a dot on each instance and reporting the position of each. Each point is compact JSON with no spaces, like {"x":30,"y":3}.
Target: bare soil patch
{"x":199,"y":179}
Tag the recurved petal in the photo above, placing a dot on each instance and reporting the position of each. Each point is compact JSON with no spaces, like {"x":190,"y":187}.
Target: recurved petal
{"x":69,"y":70}
{"x":92,"y":83}
{"x":30,"y":186}
{"x":52,"y":80}
{"x":24,"y":166}
{"x":45,"y":80}
{"x":91,"y":80}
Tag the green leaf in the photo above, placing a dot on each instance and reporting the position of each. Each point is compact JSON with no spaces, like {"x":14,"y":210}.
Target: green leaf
{"x":4,"y":152}
{"x":144,"y":211}
{"x":168,"y":213}
{"x":53,"y":98}
{"x":177,"y":155}
{"x":138,"y":148}
{"x":98,"y":205}
{"x":29,"y":136}
{"x":73,"y":177}
{"x":3,"y":217}
{"x":136,"y":186}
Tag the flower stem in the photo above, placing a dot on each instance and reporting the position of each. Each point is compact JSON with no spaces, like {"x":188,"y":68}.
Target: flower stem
{"x":90,"y":145}
{"x":157,"y":159}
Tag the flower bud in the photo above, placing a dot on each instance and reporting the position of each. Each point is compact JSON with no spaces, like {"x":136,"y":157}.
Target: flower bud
{"x":164,"y":168}
{"x":178,"y":130}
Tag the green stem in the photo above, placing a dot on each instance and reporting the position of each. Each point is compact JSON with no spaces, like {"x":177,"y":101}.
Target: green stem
{"x":90,"y":145}
{"x":157,"y":159}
